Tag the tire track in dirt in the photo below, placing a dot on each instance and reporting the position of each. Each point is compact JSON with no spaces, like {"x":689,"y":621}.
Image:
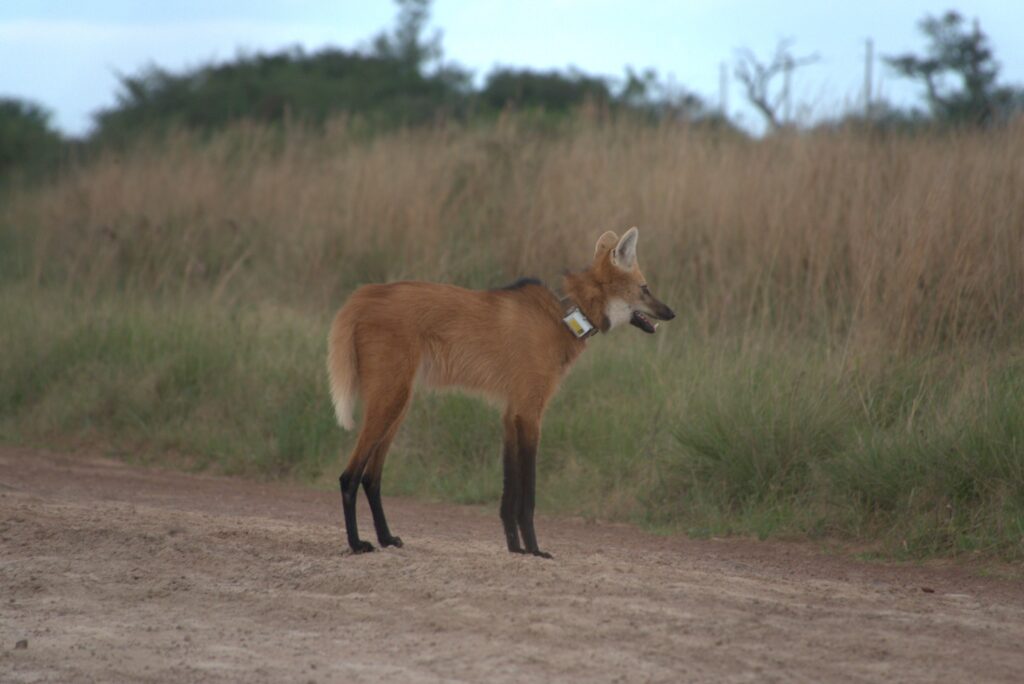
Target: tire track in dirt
{"x":119,"y":573}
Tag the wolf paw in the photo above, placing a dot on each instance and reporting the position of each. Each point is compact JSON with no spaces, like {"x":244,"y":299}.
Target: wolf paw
{"x":362,"y":547}
{"x":391,"y":541}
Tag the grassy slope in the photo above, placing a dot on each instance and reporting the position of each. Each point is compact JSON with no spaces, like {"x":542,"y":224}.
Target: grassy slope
{"x":847,"y":363}
{"x":714,"y":437}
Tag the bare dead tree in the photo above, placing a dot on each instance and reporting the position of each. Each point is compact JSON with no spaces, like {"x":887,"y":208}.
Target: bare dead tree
{"x":757,"y":78}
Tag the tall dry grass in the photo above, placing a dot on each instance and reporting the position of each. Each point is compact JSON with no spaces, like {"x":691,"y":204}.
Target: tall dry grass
{"x":846,"y":363}
{"x":901,"y":242}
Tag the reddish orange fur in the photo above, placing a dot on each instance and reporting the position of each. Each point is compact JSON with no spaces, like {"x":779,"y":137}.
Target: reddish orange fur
{"x":510,"y":345}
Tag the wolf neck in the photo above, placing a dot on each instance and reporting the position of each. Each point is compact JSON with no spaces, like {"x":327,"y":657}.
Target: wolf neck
{"x":584,"y":293}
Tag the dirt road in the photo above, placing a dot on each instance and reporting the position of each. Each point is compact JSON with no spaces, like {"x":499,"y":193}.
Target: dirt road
{"x":110,"y":572}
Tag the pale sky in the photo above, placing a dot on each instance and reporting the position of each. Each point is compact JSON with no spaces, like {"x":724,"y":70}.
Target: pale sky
{"x":65,"y":55}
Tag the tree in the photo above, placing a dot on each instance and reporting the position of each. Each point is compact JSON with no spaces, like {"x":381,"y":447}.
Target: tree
{"x":270,"y":88}
{"x":959,"y":73}
{"x":551,"y":91}
{"x":384,"y":86}
{"x":757,"y":77}
{"x":27,"y":140}
{"x":406,"y":43}
{"x":658,"y":100}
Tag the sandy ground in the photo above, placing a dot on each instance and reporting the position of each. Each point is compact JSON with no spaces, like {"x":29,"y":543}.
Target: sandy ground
{"x":110,"y":572}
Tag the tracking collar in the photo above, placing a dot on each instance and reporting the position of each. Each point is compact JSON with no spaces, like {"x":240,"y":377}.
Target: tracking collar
{"x":577,"y":322}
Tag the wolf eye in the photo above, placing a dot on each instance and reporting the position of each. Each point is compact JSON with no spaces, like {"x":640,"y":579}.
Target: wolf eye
{"x":645,"y":289}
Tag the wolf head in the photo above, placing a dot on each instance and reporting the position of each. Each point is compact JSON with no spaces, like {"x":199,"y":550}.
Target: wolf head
{"x":613,"y":290}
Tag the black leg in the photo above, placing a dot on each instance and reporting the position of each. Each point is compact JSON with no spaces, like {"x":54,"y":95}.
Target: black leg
{"x":371,"y":486}
{"x":527,"y":438}
{"x":510,"y":493}
{"x":349,"y":489}
{"x":385,"y":388}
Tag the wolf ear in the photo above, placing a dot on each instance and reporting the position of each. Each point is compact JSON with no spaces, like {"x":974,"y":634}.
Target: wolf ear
{"x":605,"y":243}
{"x":624,"y":254}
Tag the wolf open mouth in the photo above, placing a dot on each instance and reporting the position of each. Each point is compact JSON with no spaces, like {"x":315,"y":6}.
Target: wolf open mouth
{"x":643,"y":322}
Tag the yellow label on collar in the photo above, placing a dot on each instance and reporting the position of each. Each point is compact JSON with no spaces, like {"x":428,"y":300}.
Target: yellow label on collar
{"x":578,"y":323}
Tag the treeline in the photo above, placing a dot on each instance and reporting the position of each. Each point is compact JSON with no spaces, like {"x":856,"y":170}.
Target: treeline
{"x":377,"y":92}
{"x":401,"y":79}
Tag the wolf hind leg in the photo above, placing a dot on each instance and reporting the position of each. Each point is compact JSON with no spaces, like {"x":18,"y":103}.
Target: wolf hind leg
{"x":349,"y":485}
{"x":387,"y":418}
{"x":386,"y":374}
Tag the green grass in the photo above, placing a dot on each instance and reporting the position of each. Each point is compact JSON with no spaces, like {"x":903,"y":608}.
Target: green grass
{"x":845,"y":365}
{"x":231,"y":388}
{"x":773,"y":437}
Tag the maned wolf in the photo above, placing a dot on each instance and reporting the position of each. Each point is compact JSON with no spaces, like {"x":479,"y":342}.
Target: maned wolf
{"x":513,"y":345}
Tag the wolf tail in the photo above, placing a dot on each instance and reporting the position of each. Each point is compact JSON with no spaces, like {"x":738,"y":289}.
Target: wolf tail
{"x":341,"y":368}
